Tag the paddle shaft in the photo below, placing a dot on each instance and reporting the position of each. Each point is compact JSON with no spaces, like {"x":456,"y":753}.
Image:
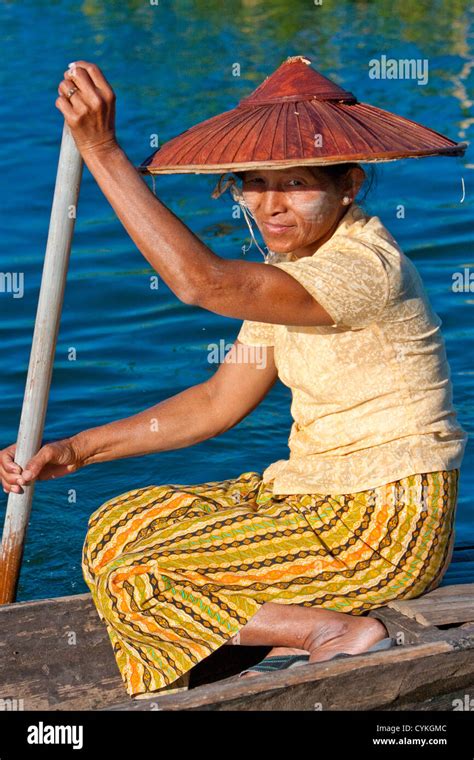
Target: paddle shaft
{"x":40,"y":368}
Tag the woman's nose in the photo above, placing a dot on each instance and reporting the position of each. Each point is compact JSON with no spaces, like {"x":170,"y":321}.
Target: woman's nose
{"x":273,"y":202}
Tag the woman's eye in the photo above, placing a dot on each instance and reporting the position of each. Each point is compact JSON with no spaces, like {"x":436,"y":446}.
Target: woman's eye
{"x":259,"y":180}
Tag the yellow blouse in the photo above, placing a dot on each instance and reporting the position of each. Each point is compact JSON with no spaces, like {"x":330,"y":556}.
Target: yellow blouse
{"x":371,"y":394}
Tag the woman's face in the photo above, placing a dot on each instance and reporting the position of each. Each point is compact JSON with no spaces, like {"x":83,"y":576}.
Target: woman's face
{"x":295,"y":209}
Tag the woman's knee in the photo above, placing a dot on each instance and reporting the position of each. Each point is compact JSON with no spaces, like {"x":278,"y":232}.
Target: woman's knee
{"x":88,"y":557}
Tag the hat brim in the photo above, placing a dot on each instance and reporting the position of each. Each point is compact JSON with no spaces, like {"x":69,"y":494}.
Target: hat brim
{"x":221,"y":168}
{"x":353,"y":133}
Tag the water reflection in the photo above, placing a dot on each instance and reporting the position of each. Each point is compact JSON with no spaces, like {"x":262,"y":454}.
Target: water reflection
{"x":171,"y":65}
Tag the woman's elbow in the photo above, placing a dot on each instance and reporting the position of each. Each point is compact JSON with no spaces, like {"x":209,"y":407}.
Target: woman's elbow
{"x":207,"y":294}
{"x":188,"y":292}
{"x":188,"y":296}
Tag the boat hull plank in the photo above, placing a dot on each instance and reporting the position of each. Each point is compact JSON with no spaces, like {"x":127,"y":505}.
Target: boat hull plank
{"x":55,"y":654}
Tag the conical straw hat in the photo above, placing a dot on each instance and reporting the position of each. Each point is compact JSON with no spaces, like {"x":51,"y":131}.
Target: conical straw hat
{"x":297,"y":117}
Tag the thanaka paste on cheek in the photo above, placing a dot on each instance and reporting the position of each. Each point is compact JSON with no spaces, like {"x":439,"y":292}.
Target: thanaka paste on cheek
{"x":314,"y":207}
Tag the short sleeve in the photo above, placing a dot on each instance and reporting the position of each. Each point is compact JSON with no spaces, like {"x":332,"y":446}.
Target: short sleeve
{"x":350,"y":281}
{"x":256,"y":333}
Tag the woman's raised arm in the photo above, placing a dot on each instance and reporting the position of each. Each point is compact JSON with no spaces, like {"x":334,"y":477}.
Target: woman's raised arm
{"x":189,"y":267}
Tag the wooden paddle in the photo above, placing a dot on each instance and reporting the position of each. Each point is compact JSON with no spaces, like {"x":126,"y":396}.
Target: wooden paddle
{"x":35,"y":401}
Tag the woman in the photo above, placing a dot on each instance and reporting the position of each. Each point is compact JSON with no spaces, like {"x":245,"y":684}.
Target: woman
{"x":300,"y":556}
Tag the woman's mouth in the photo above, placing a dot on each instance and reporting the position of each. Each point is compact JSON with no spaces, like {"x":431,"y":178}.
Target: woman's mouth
{"x":277,"y":228}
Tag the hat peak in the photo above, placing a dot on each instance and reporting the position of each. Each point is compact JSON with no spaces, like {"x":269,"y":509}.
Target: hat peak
{"x":294,"y":58}
{"x":295,"y":79}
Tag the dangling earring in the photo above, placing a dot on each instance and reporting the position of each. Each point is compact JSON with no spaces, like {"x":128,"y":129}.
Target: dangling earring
{"x":346,"y":200}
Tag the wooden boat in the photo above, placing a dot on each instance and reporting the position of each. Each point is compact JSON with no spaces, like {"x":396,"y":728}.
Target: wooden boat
{"x":55,"y":654}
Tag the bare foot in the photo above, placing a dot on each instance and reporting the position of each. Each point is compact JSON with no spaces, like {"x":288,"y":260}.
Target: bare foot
{"x":361,"y":633}
{"x":354,"y":635}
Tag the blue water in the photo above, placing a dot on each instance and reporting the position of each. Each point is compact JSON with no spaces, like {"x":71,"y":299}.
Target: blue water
{"x":171,"y":66}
